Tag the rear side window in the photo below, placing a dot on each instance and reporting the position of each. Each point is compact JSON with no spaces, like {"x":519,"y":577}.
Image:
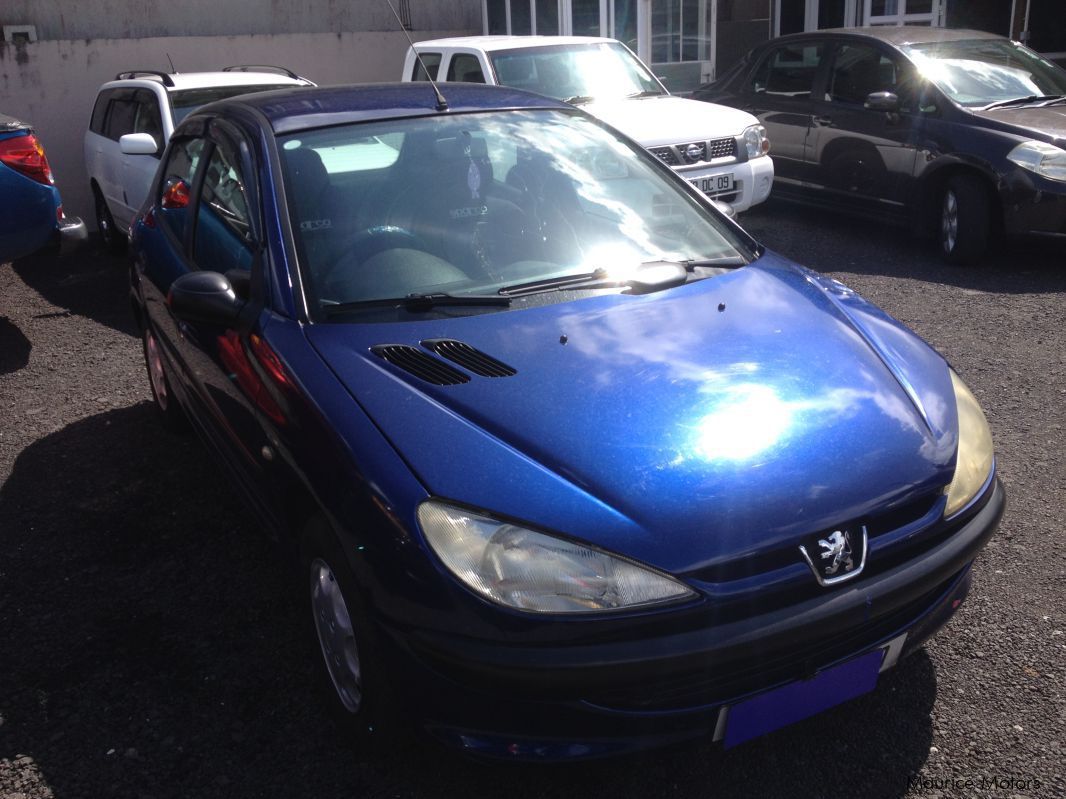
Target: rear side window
{"x":789,"y":71}
{"x":96,"y":124}
{"x":426,"y":69}
{"x":465,"y":68}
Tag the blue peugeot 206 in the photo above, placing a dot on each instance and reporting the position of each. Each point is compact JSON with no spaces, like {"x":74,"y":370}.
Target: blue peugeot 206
{"x":573,"y":464}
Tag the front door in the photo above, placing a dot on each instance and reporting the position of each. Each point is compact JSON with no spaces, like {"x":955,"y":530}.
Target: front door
{"x":858,"y":153}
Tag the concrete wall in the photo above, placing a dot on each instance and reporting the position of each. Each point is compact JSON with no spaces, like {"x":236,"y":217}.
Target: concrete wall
{"x":140,"y":19}
{"x":53,"y":83}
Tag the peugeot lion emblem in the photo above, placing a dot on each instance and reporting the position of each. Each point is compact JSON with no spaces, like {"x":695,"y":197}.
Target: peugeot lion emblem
{"x":838,"y":556}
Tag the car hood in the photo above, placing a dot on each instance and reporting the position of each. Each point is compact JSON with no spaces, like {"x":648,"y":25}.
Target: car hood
{"x":663,"y":120}
{"x":1046,"y":124}
{"x":679,"y":428}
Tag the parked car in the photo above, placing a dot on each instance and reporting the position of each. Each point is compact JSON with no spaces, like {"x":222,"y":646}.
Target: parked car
{"x":720,"y":151}
{"x":132,"y":120}
{"x":954,"y":131}
{"x":31,"y":210}
{"x":573,"y":464}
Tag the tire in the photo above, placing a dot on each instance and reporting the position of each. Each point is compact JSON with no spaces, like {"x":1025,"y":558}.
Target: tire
{"x":348,"y":672}
{"x":166,"y":404}
{"x":113,"y":241}
{"x":965,"y":219}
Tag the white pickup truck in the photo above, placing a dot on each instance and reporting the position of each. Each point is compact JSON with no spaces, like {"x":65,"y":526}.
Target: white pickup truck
{"x":720,"y":150}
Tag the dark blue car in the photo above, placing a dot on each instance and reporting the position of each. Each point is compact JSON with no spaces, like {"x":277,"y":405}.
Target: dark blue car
{"x":572,"y":464}
{"x":31,"y":212}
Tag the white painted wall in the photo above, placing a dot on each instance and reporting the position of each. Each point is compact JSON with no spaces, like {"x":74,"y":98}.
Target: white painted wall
{"x":53,"y":83}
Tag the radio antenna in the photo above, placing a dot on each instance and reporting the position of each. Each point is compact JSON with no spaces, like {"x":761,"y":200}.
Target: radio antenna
{"x":173,"y":69}
{"x":442,"y":104}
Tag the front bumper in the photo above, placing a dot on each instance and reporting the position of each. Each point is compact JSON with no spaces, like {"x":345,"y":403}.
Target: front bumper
{"x":752,"y":181}
{"x":1033,"y":204}
{"x":592,"y":699}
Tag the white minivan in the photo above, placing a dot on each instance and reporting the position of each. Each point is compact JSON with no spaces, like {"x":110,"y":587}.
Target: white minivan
{"x":721,"y":151}
{"x":132,"y":120}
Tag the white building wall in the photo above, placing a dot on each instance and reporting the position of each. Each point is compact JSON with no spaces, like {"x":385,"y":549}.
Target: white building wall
{"x":52,"y":83}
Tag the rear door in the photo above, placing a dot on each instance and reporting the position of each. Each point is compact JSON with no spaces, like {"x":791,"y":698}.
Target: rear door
{"x":857,"y":154}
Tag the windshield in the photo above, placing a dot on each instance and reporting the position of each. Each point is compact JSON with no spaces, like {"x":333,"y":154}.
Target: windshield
{"x":185,"y":101}
{"x":980,"y":72}
{"x":576,"y":72}
{"x":476,"y":204}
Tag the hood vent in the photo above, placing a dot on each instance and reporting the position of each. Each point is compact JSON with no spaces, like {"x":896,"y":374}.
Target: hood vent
{"x":469,"y":358}
{"x":421,"y":365}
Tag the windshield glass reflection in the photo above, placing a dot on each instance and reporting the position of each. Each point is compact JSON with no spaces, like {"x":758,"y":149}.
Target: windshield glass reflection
{"x":471,"y":204}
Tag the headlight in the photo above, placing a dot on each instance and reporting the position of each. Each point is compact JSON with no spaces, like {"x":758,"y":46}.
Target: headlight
{"x":975,"y":449}
{"x":1040,"y":157}
{"x":535,"y":572}
{"x":756,"y":142}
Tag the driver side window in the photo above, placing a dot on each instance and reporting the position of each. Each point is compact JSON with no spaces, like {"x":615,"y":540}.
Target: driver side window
{"x":224,"y":238}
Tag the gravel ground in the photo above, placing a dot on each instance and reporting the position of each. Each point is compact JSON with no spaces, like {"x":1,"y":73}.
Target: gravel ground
{"x":151,"y":645}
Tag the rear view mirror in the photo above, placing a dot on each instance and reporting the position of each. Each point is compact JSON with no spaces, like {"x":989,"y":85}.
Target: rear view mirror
{"x":138,"y":144}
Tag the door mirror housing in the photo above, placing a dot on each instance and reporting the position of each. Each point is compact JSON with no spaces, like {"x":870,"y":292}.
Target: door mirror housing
{"x":882,"y":101}
{"x":138,"y":144}
{"x":205,"y":297}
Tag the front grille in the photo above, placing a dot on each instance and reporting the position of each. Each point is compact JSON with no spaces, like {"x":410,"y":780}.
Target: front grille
{"x":666,"y":155}
{"x":469,"y":358}
{"x":723,"y":148}
{"x":416,"y":362}
{"x":695,"y":151}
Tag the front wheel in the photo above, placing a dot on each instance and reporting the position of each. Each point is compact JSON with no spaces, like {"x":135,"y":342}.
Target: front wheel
{"x":170,"y":413}
{"x":347,"y":669}
{"x":965,"y":218}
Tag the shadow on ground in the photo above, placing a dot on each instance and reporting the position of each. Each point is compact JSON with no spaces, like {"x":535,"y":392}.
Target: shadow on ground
{"x":14,"y":347}
{"x":90,"y":283}
{"x":153,"y":647}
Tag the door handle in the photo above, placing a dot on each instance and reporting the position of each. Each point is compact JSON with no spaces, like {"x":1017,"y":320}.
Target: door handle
{"x":825,"y":122}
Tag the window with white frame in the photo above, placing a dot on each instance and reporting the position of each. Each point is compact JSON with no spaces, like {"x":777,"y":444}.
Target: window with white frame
{"x":523,"y":17}
{"x":904,"y":12}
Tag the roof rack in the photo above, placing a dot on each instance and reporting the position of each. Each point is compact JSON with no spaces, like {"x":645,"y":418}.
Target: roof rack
{"x":133,"y":73}
{"x":261,"y":68}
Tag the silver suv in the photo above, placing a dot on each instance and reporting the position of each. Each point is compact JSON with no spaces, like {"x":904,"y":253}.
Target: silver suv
{"x":132,"y":121}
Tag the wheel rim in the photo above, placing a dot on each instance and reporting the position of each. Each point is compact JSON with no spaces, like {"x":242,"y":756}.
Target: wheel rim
{"x":156,"y":373}
{"x":103,"y":220}
{"x":949,"y":221}
{"x":333,"y":623}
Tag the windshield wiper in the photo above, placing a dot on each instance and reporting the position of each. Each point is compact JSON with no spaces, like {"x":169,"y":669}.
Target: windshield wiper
{"x":650,"y":276}
{"x":579,"y":99}
{"x":1032,"y":98}
{"x":417,"y":303}
{"x":645,"y":93}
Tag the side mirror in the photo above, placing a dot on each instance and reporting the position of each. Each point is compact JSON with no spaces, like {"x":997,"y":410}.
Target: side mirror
{"x":882,"y":101}
{"x":138,"y":144}
{"x":205,"y":297}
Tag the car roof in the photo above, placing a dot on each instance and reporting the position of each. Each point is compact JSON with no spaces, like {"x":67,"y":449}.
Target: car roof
{"x":205,"y":80}
{"x":291,"y":110}
{"x":898,"y":35}
{"x":491,"y":43}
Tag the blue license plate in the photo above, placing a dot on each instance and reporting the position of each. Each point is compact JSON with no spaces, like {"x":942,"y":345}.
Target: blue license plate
{"x":799,"y":700}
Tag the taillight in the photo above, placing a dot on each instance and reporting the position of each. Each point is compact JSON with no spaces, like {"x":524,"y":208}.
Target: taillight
{"x":176,"y":195}
{"x":25,"y":154}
